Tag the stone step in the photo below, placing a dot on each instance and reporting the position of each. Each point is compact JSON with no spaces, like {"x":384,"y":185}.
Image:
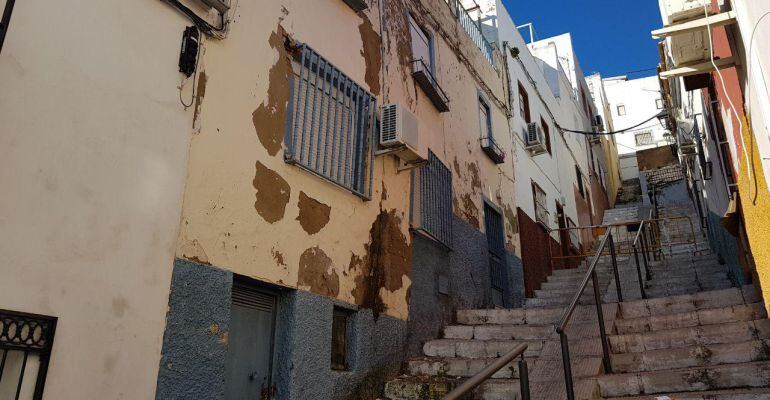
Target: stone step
{"x":684,"y":303}
{"x":746,"y":375}
{"x":460,"y":367}
{"x":532,"y":316}
{"x":732,"y":394}
{"x":694,"y":356}
{"x":562,"y":293}
{"x":415,"y":388}
{"x":732,"y":332}
{"x":469,"y":348}
{"x":498,"y":332}
{"x":711,"y":316}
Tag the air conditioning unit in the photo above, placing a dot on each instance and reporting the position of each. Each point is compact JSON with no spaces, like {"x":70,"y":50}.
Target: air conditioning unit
{"x":535,"y":139}
{"x":398,"y":131}
{"x":682,"y":10}
{"x":690,"y":47}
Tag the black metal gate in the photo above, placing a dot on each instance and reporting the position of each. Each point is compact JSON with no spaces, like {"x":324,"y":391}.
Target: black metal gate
{"x":25,"y":350}
{"x":498,"y":268}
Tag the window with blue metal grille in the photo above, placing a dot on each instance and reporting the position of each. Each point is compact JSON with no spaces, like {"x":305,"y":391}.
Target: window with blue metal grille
{"x":330,"y":124}
{"x":432,"y":200}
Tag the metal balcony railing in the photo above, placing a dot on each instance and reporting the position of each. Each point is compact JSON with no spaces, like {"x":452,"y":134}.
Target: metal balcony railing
{"x":424,"y":77}
{"x":473,"y":29}
{"x":493,"y":150}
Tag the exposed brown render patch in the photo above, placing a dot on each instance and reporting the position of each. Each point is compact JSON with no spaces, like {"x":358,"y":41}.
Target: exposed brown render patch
{"x":270,"y":117}
{"x":313,"y":215}
{"x":278,"y":257}
{"x":469,"y":211}
{"x":317,"y":271}
{"x":272,"y":195}
{"x":458,"y":169}
{"x":398,"y":27}
{"x":513,"y":221}
{"x":200,"y":93}
{"x":372,"y":43}
{"x":473,"y":168}
{"x":388,"y":259}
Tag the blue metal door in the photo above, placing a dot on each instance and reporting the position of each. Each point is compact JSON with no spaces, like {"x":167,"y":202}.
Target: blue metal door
{"x":250,"y":350}
{"x":498,"y":270}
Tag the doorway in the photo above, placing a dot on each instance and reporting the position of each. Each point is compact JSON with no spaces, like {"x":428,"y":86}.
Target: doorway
{"x":493,"y":222}
{"x":250,"y":350}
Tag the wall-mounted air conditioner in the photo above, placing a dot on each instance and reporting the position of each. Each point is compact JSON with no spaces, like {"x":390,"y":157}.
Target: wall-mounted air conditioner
{"x":690,"y":47}
{"x":682,"y":10}
{"x":535,"y":139}
{"x":398,"y":131}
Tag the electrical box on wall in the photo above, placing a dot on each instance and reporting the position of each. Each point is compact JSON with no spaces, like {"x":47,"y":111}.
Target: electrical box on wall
{"x":188,"y":55}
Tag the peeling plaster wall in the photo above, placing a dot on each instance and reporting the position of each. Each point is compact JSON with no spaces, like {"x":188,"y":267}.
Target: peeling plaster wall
{"x":275,"y":222}
{"x":94,"y":146}
{"x":278,"y":223}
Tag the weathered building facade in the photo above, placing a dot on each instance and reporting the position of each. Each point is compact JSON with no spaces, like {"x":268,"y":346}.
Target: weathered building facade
{"x":243,"y":227}
{"x":718,"y":106}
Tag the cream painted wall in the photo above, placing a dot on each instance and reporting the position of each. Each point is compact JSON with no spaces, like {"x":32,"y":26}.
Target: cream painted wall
{"x":220,"y":225}
{"x":93,"y":153}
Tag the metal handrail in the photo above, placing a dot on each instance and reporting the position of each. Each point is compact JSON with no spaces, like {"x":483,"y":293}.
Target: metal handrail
{"x":560,"y":328}
{"x":476,"y":380}
{"x":640,"y":240}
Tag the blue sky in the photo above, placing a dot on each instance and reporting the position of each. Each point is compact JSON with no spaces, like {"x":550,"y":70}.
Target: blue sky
{"x":610,"y":36}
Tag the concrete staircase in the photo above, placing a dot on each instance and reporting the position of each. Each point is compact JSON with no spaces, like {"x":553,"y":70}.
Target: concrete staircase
{"x":695,"y":337}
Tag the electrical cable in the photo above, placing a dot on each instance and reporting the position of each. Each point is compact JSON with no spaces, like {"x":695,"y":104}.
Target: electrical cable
{"x":658,"y":115}
{"x":729,"y":100}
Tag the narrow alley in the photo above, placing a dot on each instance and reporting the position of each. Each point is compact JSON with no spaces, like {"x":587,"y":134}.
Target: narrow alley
{"x":384,"y":200}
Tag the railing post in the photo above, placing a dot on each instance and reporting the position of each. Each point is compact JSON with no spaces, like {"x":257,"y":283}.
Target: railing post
{"x":615,"y":269}
{"x":523,"y":379}
{"x":567,"y":366}
{"x":639,"y":273}
{"x":602,"y":331}
{"x":645,"y":256}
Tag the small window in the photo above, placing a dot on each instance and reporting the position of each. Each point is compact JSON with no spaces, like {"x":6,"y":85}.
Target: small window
{"x":659,"y":104}
{"x":432,"y":200}
{"x":579,"y":176}
{"x":541,"y":204}
{"x":524,"y":104}
{"x":621,"y":109}
{"x":340,"y":321}
{"x":485,"y":119}
{"x":422,"y":44}
{"x":547,"y":134}
{"x":643,"y":138}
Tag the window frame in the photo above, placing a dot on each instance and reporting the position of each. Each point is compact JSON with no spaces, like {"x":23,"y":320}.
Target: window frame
{"x":623,"y":107}
{"x":431,"y":62}
{"x":484,"y":104}
{"x":581,"y":184}
{"x":524,"y":109}
{"x":547,"y":134}
{"x":659,"y":104}
{"x":540,"y":205}
{"x":339,"y":313}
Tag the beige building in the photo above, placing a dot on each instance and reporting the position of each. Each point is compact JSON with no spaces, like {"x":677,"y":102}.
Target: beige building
{"x":328,"y":185}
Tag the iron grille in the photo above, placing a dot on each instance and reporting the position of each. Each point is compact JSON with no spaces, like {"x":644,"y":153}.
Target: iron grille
{"x":331,"y":124}
{"x":25,"y":346}
{"x":643,"y":138}
{"x":432,"y":200}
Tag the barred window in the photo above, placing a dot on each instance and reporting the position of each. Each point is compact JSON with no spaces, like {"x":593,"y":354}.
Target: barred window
{"x":621,"y":109}
{"x":330,"y":124}
{"x":432,"y":200}
{"x":644,"y":138}
{"x":541,"y":204}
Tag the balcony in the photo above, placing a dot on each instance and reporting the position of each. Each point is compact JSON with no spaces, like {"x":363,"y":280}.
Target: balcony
{"x":473,"y":29}
{"x":424,"y":77}
{"x":493,"y":150}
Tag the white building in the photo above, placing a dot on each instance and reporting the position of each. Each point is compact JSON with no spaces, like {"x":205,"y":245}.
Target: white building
{"x":631,"y":103}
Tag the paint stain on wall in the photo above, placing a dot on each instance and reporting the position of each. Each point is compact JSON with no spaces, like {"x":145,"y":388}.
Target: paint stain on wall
{"x":270,"y":117}
{"x":200,"y":93}
{"x":278,"y":257}
{"x":398,"y":32}
{"x":272,"y":195}
{"x":469,"y":211}
{"x":313,"y":215}
{"x":371,"y":53}
{"x":388,"y":259}
{"x":473,"y":168}
{"x":119,"y":306}
{"x":193,"y":251}
{"x":317,"y":271}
